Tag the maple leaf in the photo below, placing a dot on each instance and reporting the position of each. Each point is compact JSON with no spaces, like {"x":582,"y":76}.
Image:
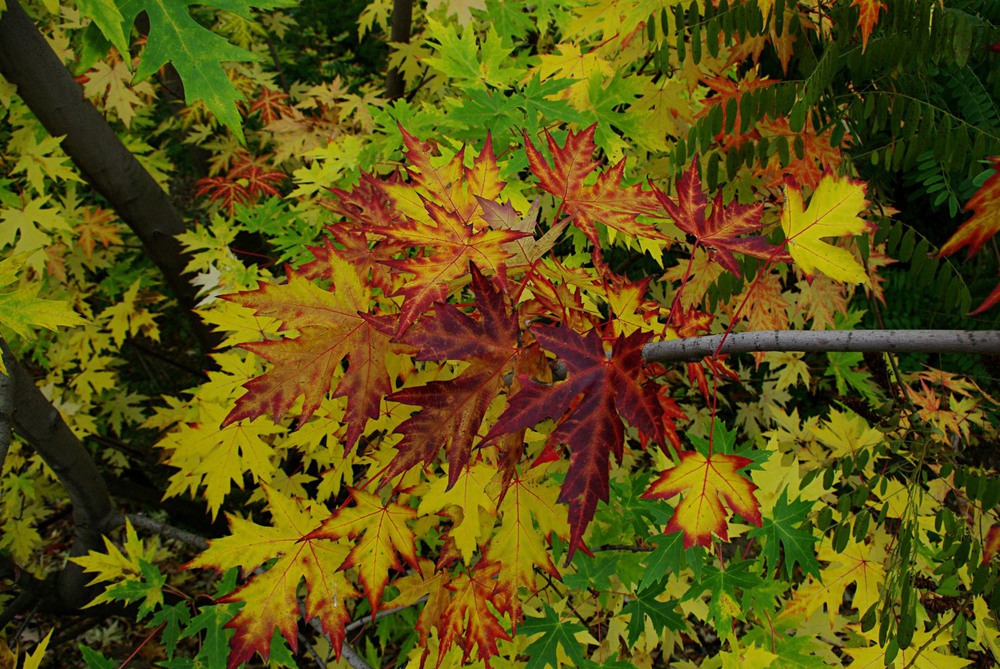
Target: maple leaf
{"x":706,"y":482}
{"x":611,"y":389}
{"x":467,"y":619}
{"x":173,"y":31}
{"x":833,"y":211}
{"x":472,"y":496}
{"x":780,"y":527}
{"x":605,"y":201}
{"x":858,"y":563}
{"x":442,"y":215}
{"x":985,"y":203}
{"x":384,"y":538}
{"x":722,"y":228}
{"x":22,"y":310}
{"x":270,"y":598}
{"x":869,"y":17}
{"x":519,"y":546}
{"x":452,"y":411}
{"x":332,"y":325}
{"x":992,"y":544}
{"x":555,"y":634}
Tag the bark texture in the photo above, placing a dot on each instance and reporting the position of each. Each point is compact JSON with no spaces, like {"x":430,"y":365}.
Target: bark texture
{"x":40,"y":425}
{"x":982,"y":342}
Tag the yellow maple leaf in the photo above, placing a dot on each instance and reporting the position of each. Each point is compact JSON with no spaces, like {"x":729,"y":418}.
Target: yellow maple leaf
{"x":922,"y":653}
{"x":34,"y":659}
{"x":22,"y":310}
{"x":271,"y":597}
{"x":834,"y":211}
{"x":706,"y":482}
{"x":114,"y":565}
{"x":519,"y":546}
{"x":216,"y":458}
{"x":382,"y":538}
{"x":471,"y":494}
{"x":858,"y":563}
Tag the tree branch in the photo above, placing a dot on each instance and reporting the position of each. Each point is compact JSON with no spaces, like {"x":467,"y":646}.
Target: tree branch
{"x":40,"y":425}
{"x":402,"y":23}
{"x":6,"y":409}
{"x":880,"y":341}
{"x":54,"y":96}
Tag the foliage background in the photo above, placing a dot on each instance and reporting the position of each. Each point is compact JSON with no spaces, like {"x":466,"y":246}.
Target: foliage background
{"x":876,"y":476}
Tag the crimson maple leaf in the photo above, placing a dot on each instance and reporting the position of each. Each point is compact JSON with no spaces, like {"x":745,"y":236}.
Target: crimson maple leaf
{"x":706,"y":482}
{"x":605,"y":201}
{"x":452,"y":411}
{"x":599,"y":391}
{"x":722,"y":228}
{"x":333,"y":326}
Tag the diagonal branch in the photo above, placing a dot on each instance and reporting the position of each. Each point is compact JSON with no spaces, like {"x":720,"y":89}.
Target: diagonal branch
{"x":38,"y":422}
{"x":980,"y":342}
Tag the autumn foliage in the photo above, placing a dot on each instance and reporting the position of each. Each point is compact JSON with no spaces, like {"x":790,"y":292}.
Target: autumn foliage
{"x":429,"y":423}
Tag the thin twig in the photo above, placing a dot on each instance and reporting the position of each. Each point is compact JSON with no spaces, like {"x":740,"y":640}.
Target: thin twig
{"x":163,"y":529}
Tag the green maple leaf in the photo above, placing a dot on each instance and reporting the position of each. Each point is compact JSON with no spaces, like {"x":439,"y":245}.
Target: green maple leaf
{"x":645,"y":605}
{"x":726,"y":587}
{"x":196,"y":52}
{"x":148,"y":590}
{"x":782,"y":529}
{"x":667,"y":558}
{"x":174,"y":620}
{"x":211,"y":620}
{"x":543,"y":651}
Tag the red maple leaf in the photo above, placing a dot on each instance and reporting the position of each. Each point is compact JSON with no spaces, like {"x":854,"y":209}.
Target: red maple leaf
{"x":605,"y":201}
{"x":719,"y":231}
{"x":599,"y":391}
{"x":333,"y":326}
{"x":452,"y":411}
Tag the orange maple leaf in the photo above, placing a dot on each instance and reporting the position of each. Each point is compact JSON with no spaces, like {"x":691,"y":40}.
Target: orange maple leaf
{"x":979,"y":229}
{"x":605,"y":201}
{"x":384,"y":538}
{"x":992,"y":544}
{"x":467,"y":619}
{"x":985,"y":223}
{"x":332,"y":325}
{"x":722,"y":228}
{"x":706,"y":482}
{"x":869,"y":17}
{"x":441,"y":214}
{"x":271,"y":597}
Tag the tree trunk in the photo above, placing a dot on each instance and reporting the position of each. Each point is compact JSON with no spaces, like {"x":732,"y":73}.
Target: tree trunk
{"x":41,"y":426}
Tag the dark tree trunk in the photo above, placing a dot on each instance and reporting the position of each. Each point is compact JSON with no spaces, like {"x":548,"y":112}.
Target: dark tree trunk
{"x":41,"y":426}
{"x":402,"y":22}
